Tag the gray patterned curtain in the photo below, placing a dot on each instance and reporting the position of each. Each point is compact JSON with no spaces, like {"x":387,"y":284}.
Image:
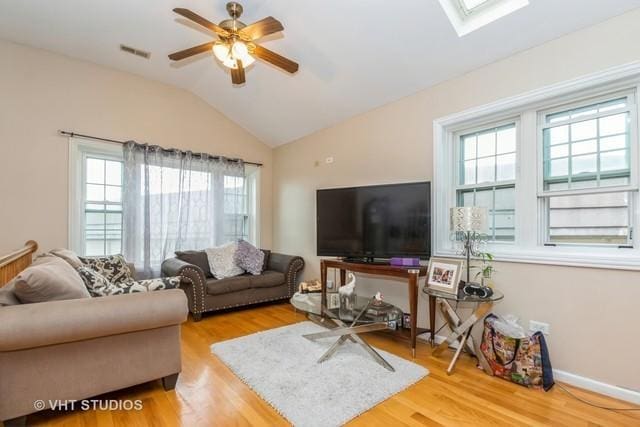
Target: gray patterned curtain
{"x":175,"y":200}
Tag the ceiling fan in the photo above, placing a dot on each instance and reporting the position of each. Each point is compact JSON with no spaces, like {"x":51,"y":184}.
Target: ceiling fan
{"x":235,"y":46}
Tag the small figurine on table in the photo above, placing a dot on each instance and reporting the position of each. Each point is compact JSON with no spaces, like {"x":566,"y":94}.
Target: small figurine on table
{"x":377,"y":299}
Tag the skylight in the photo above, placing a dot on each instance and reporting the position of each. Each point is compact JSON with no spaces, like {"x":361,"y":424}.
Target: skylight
{"x":470,"y":5}
{"x":469,"y":15}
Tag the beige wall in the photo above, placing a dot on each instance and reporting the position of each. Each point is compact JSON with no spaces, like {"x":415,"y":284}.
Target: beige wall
{"x":42,"y":92}
{"x":591,"y":312}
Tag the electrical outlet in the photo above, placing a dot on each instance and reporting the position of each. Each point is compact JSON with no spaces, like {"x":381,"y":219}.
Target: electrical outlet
{"x":535,"y":326}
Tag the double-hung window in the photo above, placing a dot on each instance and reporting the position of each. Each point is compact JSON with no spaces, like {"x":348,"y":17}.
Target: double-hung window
{"x":487,"y":176}
{"x":557,"y":170}
{"x":586,"y":180}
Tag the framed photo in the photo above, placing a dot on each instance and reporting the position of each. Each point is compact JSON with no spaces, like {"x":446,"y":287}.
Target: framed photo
{"x":444,"y":275}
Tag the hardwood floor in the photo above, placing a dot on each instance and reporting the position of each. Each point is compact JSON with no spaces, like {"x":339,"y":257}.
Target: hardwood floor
{"x":209,"y":394}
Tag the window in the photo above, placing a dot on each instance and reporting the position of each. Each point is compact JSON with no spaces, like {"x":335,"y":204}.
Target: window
{"x":557,"y":169}
{"x":487,"y":165}
{"x":586,"y":151}
{"x":102,"y":206}
{"x":96,"y":191}
{"x":469,"y":15}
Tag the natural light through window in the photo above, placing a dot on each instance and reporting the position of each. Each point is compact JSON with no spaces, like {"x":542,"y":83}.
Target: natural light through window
{"x":469,"y":15}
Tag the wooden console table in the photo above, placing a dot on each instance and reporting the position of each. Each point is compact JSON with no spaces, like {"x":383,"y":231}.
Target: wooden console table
{"x":411,"y":274}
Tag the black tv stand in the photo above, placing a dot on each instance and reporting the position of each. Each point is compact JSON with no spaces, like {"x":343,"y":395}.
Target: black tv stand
{"x":366,"y":260}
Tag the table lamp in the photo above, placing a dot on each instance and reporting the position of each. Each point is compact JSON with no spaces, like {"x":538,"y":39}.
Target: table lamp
{"x":471,"y":223}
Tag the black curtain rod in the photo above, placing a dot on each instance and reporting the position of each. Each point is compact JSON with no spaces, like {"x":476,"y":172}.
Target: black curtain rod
{"x":97,"y":138}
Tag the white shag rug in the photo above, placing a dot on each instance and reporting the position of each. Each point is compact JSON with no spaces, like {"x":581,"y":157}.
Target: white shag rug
{"x":281,"y":366}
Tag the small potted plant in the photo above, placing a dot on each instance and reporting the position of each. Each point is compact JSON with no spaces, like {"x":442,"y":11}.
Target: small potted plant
{"x":486,"y":269}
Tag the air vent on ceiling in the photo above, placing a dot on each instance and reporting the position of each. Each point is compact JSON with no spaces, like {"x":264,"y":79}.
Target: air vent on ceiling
{"x":135,"y":51}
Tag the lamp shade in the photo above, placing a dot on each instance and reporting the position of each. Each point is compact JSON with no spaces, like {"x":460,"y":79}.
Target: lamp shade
{"x":469,"y":219}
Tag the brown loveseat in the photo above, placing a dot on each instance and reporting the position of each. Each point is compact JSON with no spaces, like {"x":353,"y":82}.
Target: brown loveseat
{"x":205,"y":293}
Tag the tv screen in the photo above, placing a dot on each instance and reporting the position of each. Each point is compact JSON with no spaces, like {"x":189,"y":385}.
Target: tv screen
{"x":379,"y":221}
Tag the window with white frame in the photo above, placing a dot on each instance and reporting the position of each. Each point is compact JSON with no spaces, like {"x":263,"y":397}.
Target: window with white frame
{"x":487,"y":176}
{"x":556,"y":168}
{"x":95,"y":199}
{"x":587,"y":161}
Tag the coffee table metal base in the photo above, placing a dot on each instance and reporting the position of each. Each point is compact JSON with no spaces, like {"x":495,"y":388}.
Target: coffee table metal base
{"x":351,"y":333}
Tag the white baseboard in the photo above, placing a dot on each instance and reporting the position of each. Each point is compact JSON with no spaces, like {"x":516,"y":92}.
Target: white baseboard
{"x":628,"y":395}
{"x":610,"y":390}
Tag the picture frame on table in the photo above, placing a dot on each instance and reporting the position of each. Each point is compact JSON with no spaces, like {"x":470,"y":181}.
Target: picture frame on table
{"x":333,"y":300}
{"x":444,"y":275}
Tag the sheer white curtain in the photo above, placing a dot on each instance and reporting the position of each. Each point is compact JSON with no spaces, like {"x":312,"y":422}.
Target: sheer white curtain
{"x":176,"y":200}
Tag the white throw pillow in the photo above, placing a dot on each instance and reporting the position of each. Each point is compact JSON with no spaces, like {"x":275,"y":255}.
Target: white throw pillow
{"x":222,"y":261}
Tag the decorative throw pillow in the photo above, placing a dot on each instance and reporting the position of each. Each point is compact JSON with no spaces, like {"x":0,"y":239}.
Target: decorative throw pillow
{"x":249,"y":258}
{"x":150,"y":285}
{"x":197,"y":258}
{"x":100,"y":286}
{"x":222,"y":261}
{"x":67,"y":255}
{"x":97,"y":284}
{"x":49,"y":278}
{"x":113,"y":267}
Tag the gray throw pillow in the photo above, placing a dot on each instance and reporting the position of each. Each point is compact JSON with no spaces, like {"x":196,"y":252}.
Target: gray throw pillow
{"x":197,"y":258}
{"x":67,"y":255}
{"x":7,"y":294}
{"x":49,"y":278}
{"x":222,"y":261}
{"x":249,"y":258}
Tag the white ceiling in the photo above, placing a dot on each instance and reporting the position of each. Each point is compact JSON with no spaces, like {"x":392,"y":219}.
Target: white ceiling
{"x":354,"y":55}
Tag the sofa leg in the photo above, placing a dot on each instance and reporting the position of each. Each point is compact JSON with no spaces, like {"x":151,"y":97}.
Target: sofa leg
{"x":196,"y":317}
{"x":169,"y":382}
{"x":16,"y":422}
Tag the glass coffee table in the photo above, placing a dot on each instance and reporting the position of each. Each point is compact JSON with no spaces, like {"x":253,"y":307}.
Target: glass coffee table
{"x":367,"y":316}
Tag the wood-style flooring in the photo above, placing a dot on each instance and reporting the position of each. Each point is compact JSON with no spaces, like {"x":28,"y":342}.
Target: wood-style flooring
{"x":209,"y":394}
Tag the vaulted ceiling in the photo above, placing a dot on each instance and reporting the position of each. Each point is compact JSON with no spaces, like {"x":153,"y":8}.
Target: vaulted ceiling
{"x":354,"y":55}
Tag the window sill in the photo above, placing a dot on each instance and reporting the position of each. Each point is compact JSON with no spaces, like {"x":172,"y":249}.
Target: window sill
{"x":560,"y":256}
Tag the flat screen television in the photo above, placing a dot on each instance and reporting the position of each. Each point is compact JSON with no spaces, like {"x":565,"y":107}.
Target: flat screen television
{"x":378,"y":221}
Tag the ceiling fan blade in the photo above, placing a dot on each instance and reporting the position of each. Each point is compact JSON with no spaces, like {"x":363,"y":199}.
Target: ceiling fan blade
{"x":275,"y":59}
{"x":202,"y":21}
{"x":237,"y":74}
{"x":261,"y":28}
{"x":177,"y":56}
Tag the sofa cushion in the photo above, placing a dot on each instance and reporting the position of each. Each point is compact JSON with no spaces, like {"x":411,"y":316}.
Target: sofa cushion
{"x":67,"y":255}
{"x":228,"y":285}
{"x":249,"y":258}
{"x":222,"y":261}
{"x":113,"y":267}
{"x":197,"y":258}
{"x":49,"y":278}
{"x":267,"y":279}
{"x":7,"y":294}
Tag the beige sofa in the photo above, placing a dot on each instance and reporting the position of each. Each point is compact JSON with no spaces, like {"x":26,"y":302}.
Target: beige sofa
{"x":76,"y":349}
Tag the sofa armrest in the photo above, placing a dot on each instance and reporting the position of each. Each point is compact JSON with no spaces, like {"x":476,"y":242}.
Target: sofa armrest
{"x":289,"y":265}
{"x":56,"y":322}
{"x":193,"y":282}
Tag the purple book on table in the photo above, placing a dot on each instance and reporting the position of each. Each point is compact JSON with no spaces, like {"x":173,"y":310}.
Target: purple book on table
{"x":405,"y":262}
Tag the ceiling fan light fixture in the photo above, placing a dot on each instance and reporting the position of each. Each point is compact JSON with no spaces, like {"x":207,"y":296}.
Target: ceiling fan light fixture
{"x":221,"y":51}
